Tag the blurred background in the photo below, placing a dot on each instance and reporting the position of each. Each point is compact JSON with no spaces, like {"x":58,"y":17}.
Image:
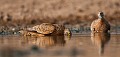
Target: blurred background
{"x":76,"y":15}
{"x":83,"y":12}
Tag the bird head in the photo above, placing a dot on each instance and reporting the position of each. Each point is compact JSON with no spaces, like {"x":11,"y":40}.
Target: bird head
{"x":67,"y":32}
{"x":21,"y":31}
{"x":100,"y":15}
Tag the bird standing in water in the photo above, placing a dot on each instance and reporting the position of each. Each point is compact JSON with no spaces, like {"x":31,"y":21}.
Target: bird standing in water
{"x":101,"y":24}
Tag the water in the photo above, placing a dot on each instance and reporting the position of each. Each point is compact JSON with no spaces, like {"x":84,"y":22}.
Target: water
{"x":99,"y":45}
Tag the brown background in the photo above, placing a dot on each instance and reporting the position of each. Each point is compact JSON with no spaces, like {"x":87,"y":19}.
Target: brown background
{"x":58,"y":11}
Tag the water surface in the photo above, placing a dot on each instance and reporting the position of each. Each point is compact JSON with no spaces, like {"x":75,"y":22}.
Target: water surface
{"x":99,"y":45}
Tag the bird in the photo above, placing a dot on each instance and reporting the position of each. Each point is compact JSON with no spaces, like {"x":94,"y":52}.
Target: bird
{"x":30,"y":33}
{"x":44,"y":29}
{"x":67,"y":32}
{"x":100,"y":24}
{"x":59,"y":29}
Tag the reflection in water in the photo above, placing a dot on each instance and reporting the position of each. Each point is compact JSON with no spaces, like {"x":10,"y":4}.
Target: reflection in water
{"x":45,"y":41}
{"x":58,"y":46}
{"x":99,"y":40}
{"x":18,"y":47}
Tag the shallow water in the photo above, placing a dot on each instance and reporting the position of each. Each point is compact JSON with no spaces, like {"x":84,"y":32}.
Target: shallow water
{"x":99,"y":45}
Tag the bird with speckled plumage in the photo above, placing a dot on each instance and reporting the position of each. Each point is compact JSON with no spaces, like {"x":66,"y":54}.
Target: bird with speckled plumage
{"x":100,"y":24}
{"x":45,"y":29}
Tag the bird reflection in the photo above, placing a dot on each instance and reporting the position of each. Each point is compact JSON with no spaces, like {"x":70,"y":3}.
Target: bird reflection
{"x":100,"y":40}
{"x":45,"y":41}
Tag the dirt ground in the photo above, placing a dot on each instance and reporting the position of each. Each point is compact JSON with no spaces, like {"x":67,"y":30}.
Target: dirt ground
{"x":27,"y":12}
